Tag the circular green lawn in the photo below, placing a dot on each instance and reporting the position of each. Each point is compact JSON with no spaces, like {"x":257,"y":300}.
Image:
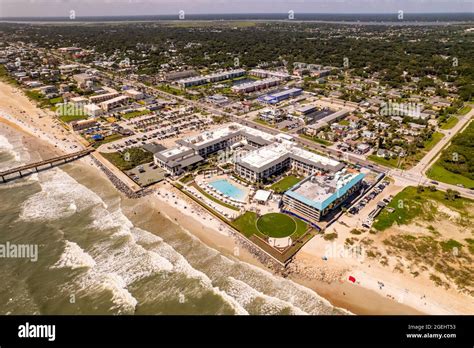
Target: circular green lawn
{"x":276,"y":225}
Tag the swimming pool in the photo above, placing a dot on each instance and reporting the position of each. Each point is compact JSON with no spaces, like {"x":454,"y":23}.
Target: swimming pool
{"x":226,"y":188}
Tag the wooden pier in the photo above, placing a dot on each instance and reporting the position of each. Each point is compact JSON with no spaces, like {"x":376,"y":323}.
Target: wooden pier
{"x":38,"y":165}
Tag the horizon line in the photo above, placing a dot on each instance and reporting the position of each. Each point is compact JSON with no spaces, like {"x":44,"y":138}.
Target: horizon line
{"x":243,"y":13}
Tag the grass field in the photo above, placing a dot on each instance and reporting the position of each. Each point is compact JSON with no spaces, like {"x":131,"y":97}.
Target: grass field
{"x":108,"y":139}
{"x":136,"y":157}
{"x":439,"y":173}
{"x":410,"y":204}
{"x":450,"y":123}
{"x":245,"y":223}
{"x":456,"y":172}
{"x":67,"y":119}
{"x":285,"y":183}
{"x":249,"y":224}
{"x":276,"y":225}
{"x":134,"y":114}
{"x":392,"y":162}
{"x":465,"y":110}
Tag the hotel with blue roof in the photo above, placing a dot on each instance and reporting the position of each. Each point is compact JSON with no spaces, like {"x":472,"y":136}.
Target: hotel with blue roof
{"x":317,"y":195}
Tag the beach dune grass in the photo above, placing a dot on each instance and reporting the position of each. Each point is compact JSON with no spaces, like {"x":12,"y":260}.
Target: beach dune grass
{"x":410,"y":204}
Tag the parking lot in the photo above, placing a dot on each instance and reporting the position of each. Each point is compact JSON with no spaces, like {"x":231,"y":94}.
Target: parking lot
{"x":146,"y":174}
{"x":368,"y":197}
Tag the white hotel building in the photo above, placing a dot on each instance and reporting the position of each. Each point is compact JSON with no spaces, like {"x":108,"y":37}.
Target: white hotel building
{"x":268,"y":154}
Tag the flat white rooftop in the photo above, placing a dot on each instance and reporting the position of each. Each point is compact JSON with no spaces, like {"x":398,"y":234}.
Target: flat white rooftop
{"x":174,"y":151}
{"x":218,"y":133}
{"x":276,"y":151}
{"x":265,"y":155}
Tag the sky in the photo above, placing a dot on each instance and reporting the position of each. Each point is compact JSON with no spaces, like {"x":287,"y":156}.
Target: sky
{"x":62,"y":8}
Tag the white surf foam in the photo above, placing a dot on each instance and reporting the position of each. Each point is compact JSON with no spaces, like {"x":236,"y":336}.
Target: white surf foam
{"x":59,"y":194}
{"x":249,"y":297}
{"x":74,"y":257}
{"x":7,"y":146}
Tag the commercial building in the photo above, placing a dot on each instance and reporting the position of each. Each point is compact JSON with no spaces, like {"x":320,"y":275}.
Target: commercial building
{"x":78,"y":101}
{"x":271,"y":115}
{"x":84,"y":80}
{"x":280,"y":96}
{"x":256,"y":85}
{"x":325,"y":119}
{"x":314,"y":197}
{"x":68,"y":68}
{"x":95,"y":99}
{"x":268,"y":73}
{"x":177,"y":75}
{"x":134,"y":94}
{"x":267,"y":154}
{"x":278,"y":157}
{"x":176,"y":159}
{"x":215,"y":77}
{"x":83,"y":124}
{"x":113,"y":103}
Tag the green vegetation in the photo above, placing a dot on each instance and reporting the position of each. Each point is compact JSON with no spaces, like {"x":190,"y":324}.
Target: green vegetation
{"x":450,"y":123}
{"x":171,"y":90}
{"x":316,"y":140}
{"x":34,"y":95}
{"x":67,"y":119}
{"x":187,"y":178}
{"x":470,"y":244}
{"x":214,"y":199}
{"x":430,"y":143}
{"x":446,"y":257}
{"x":344,"y":122}
{"x":246,"y":223}
{"x":411,"y":159}
{"x":413,"y":203}
{"x":456,"y":163}
{"x":450,"y":245}
{"x":54,"y":101}
{"x":265,"y":123}
{"x":390,"y":162}
{"x":330,"y":236}
{"x":108,"y":139}
{"x":285,"y":183}
{"x":133,"y":114}
{"x":4,"y":76}
{"x":276,"y":225}
{"x":269,"y":225}
{"x":464,"y":110}
{"x":130,"y":159}
{"x":439,"y":173}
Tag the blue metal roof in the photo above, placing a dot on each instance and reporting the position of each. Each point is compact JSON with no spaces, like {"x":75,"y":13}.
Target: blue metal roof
{"x":321,"y":205}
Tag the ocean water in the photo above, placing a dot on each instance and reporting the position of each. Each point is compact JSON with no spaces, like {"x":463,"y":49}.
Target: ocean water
{"x":93,"y":260}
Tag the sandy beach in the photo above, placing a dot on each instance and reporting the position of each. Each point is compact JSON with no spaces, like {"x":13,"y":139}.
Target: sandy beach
{"x":399,"y":295}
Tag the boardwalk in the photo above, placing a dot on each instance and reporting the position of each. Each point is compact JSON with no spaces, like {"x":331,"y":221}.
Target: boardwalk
{"x":26,"y":169}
